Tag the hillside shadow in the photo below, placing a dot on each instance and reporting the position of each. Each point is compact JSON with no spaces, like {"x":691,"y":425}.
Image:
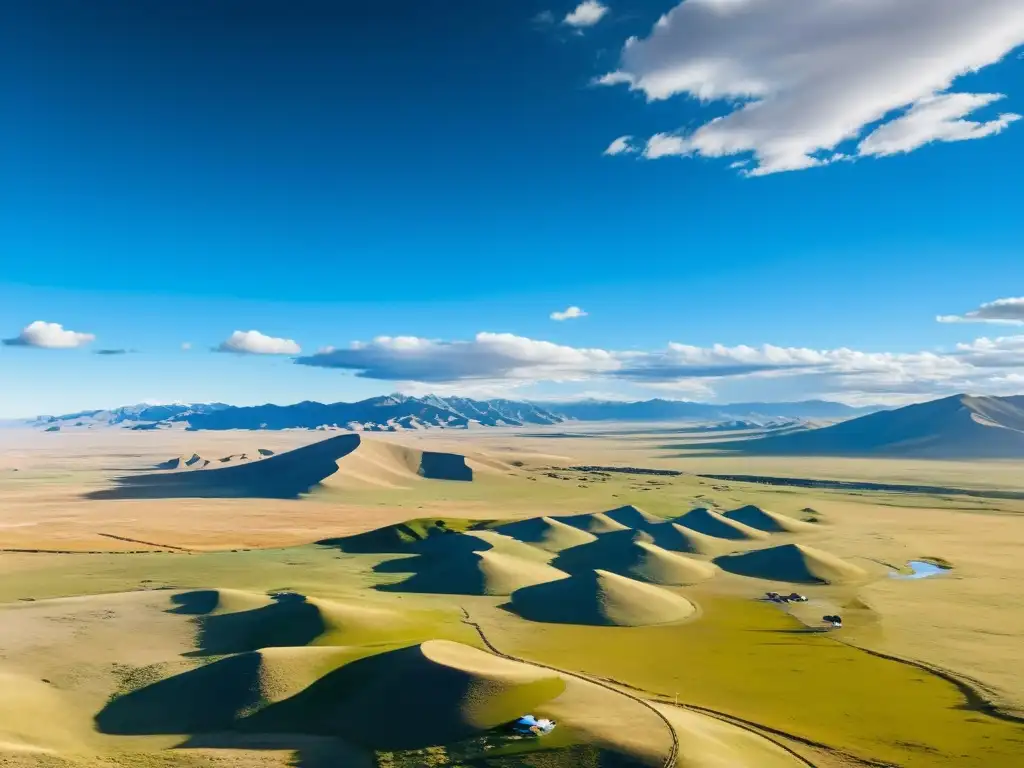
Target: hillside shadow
{"x":395,"y":700}
{"x":413,"y":537}
{"x":289,"y":621}
{"x":445,"y":466}
{"x":208,"y":699}
{"x":282,"y":476}
{"x":783,"y":563}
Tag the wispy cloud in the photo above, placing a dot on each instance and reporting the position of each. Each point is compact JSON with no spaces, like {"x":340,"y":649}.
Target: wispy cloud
{"x":998,"y":312}
{"x":803,"y":78}
{"x":586,"y":14}
{"x":256,"y":343}
{"x":938,"y":118}
{"x":620,"y":146}
{"x":45,"y":335}
{"x":544,"y":19}
{"x":109,"y":352}
{"x":569,"y":313}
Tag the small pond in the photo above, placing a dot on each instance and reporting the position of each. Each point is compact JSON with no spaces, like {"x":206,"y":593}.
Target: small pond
{"x":920,"y":570}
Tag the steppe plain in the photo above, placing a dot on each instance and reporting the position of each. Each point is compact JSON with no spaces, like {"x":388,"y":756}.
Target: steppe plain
{"x":222,"y":620}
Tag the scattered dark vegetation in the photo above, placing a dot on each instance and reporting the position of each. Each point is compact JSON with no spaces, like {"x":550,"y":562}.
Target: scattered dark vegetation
{"x":396,"y":539}
{"x":628,"y":470}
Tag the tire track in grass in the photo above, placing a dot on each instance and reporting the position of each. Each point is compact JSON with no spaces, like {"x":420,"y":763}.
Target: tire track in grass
{"x":673,"y":755}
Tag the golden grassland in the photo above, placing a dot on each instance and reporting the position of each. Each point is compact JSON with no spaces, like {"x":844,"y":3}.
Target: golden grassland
{"x":924,"y":673}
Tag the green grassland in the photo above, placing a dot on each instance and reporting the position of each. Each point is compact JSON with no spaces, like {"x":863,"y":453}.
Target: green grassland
{"x":743,"y":658}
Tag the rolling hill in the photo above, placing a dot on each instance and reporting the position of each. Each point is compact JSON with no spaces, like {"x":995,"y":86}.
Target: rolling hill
{"x":340,"y":462}
{"x":958,"y":427}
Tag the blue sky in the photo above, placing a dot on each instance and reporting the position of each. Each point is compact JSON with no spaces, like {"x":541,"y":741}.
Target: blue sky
{"x":329,"y":173}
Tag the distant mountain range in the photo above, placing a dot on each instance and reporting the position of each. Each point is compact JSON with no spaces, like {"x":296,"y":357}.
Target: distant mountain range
{"x":963,"y":426}
{"x":683,"y":410}
{"x":388,"y":413}
{"x":400,"y":412}
{"x":128,"y":414}
{"x":958,"y":427}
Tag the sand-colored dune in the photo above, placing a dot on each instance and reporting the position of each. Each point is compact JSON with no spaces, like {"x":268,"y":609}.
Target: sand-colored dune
{"x":794,"y":563}
{"x":678,"y":538}
{"x":769,"y":522}
{"x":633,"y":554}
{"x":36,"y":717}
{"x":479,"y":462}
{"x":337,"y":462}
{"x":434,"y":692}
{"x":712,"y":523}
{"x":596,"y":523}
{"x":707,"y":742}
{"x":490,"y":572}
{"x":601,"y":598}
{"x":594,"y":715}
{"x":377,"y":463}
{"x":231,"y":621}
{"x":633,"y":517}
{"x":479,"y":541}
{"x":655,"y":565}
{"x":547,"y":533}
{"x":219,"y":695}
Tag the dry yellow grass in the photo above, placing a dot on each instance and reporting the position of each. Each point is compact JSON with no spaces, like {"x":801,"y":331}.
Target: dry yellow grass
{"x":707,"y":742}
{"x":967,"y":624}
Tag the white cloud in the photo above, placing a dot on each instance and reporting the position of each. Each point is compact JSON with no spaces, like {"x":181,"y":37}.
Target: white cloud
{"x":938,"y":118}
{"x":569,"y":313}
{"x":586,"y":14}
{"x":998,"y":312}
{"x":804,"y":77}
{"x":49,"y":336}
{"x":486,"y":356}
{"x":613,"y":78}
{"x":495,"y":362}
{"x":620,"y":146}
{"x":255,"y":343}
{"x":186,"y":346}
{"x":666,"y":145}
{"x":1002,"y":352}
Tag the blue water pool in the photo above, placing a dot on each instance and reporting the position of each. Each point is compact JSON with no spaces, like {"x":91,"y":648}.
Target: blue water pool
{"x":921,"y":570}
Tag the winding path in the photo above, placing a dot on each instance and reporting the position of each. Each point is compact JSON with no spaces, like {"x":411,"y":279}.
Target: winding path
{"x":617,"y":686}
{"x":673,"y":755}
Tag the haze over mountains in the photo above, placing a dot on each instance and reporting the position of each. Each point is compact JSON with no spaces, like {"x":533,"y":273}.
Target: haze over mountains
{"x":397,"y":412}
{"x":961,"y":427}
{"x":685,"y":410}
